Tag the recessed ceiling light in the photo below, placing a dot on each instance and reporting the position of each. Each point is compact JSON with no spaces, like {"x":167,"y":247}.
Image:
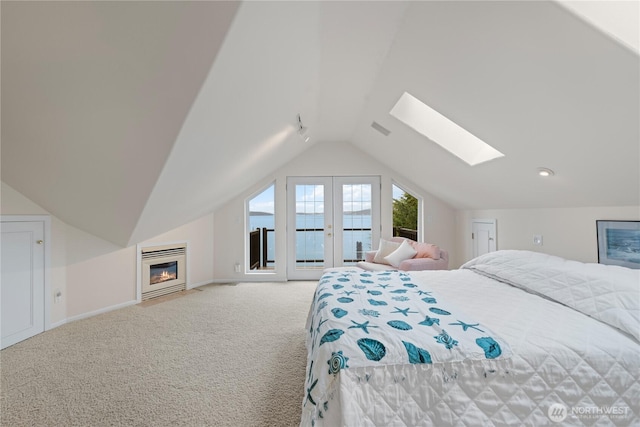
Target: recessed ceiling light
{"x":439,"y":129}
{"x":545,"y":172}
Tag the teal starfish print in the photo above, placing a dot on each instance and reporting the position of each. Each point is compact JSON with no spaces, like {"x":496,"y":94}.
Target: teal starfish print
{"x":384,"y":286}
{"x":347,"y":293}
{"x":320,"y":323}
{"x":403,"y":311}
{"x":466,"y":326}
{"x":309,"y":398}
{"x":362,"y":326}
{"x":424,"y":292}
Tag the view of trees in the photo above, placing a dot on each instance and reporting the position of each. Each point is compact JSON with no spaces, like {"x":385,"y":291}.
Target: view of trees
{"x":405,"y":212}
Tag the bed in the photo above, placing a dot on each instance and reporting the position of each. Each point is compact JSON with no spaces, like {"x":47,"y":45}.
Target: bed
{"x":510,"y":338}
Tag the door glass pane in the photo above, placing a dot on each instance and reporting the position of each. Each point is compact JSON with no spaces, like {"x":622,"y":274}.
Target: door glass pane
{"x":310,"y":222}
{"x":356,"y":222}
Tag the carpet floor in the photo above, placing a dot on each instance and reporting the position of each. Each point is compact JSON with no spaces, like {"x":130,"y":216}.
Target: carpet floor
{"x":230,"y":355}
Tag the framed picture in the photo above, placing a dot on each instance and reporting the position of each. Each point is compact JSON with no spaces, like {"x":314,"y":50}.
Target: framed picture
{"x":619,"y":243}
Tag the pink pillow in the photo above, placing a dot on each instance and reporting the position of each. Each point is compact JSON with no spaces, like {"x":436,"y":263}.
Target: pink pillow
{"x":426,"y":250}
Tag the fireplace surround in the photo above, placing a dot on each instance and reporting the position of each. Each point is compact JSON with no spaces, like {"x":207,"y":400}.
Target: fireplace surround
{"x":163,"y":270}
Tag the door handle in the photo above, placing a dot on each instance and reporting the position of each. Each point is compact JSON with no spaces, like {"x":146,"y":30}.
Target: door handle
{"x":39,"y":242}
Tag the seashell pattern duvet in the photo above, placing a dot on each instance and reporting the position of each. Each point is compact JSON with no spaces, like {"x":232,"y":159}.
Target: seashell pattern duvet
{"x":360,"y":319}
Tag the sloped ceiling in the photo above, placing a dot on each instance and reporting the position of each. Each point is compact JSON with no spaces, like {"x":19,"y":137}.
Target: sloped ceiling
{"x":93,"y":97}
{"x":127,"y":119}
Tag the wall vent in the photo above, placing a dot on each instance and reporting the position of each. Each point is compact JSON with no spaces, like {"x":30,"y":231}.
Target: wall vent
{"x":377,"y":126}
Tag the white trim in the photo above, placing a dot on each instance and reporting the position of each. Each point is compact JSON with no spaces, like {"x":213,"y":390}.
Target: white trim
{"x":255,"y":280}
{"x":59,"y":323}
{"x":197,"y":285}
{"x":138,"y":273}
{"x":101,"y":311}
{"x":46,"y":222}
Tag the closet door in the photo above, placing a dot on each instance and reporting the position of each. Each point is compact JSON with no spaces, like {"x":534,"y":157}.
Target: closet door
{"x":22,"y":281}
{"x":483,"y":236}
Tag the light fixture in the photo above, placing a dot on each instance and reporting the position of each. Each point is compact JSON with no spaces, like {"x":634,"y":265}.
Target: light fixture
{"x":545,"y":172}
{"x":303,"y":131}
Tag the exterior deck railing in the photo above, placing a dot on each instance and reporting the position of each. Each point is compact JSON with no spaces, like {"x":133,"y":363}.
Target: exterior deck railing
{"x":405,"y":232}
{"x":258,"y":247}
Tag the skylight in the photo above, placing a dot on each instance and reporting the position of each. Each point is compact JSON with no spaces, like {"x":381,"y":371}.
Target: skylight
{"x":453,"y":138}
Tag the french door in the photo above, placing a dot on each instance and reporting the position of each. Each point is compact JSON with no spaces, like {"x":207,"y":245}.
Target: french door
{"x":331,"y":222}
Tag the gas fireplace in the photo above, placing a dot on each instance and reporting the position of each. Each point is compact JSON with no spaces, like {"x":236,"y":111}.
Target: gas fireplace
{"x":163,"y":270}
{"x":159,"y":273}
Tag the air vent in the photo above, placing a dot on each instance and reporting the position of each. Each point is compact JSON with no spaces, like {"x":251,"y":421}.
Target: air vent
{"x":377,"y":126}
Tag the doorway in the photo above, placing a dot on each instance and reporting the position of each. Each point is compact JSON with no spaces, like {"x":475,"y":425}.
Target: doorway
{"x":331,"y":222}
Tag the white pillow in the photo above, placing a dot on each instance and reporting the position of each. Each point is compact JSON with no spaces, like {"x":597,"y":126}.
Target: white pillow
{"x":404,"y":251}
{"x":386,"y":248}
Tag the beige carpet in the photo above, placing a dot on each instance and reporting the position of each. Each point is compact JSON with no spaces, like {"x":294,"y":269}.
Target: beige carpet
{"x":231,"y":355}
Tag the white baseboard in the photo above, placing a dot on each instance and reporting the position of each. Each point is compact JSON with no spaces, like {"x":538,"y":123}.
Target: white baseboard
{"x":100,"y":311}
{"x":248,"y":279}
{"x":55,"y":325}
{"x":115,"y":307}
{"x":197,"y":285}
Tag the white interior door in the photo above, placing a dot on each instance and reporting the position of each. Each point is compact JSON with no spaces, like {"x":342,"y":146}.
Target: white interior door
{"x":331,"y":222}
{"x":483,"y":236}
{"x":21,"y":281}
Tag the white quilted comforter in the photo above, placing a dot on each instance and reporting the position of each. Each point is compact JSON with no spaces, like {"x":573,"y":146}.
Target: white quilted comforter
{"x":572,"y":329}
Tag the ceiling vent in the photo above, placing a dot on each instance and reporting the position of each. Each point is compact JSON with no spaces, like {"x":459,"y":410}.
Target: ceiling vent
{"x":377,"y":126}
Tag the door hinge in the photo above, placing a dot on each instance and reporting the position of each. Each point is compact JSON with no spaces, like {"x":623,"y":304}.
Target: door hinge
{"x":472,"y":236}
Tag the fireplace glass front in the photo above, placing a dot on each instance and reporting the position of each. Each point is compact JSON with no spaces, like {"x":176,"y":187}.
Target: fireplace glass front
{"x":162,"y":272}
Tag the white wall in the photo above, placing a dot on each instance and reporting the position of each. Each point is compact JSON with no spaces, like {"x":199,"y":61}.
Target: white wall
{"x":94,"y":275}
{"x":322,"y":159}
{"x":567,"y":232}
{"x":199,"y":233}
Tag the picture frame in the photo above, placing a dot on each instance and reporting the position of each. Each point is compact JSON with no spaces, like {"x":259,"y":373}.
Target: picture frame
{"x":619,"y":243}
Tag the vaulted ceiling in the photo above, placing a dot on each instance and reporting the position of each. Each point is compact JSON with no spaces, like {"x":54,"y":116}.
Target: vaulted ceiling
{"x":128,"y":119}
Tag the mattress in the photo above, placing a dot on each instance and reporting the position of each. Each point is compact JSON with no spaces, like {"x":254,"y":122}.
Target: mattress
{"x":568,"y":332}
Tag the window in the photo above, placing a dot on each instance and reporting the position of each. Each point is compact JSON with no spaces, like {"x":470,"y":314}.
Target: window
{"x":261,"y":226}
{"x":439,"y":129}
{"x":405,"y":214}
